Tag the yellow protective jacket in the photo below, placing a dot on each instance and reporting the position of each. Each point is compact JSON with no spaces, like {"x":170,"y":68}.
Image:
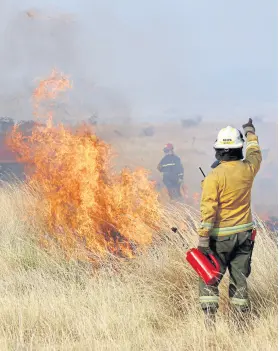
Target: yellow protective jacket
{"x":226,"y":194}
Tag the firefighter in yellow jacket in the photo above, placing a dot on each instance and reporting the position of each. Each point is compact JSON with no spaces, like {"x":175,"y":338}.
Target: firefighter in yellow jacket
{"x":227,"y":224}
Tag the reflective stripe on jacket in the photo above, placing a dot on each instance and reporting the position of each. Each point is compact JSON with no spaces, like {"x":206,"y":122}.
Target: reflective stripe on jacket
{"x":226,"y":194}
{"x":171,"y":167}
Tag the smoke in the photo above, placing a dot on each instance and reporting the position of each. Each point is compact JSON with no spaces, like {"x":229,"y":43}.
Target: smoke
{"x":36,"y":40}
{"x":139,"y":59}
{"x":146,"y":61}
{"x":96,"y":51}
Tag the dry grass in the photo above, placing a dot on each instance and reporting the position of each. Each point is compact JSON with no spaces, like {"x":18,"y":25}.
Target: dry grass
{"x":148,"y":303}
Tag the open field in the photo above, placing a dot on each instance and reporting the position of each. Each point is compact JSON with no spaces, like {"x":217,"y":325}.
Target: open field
{"x":195,"y":147}
{"x":114,"y":276}
{"x":146,"y":303}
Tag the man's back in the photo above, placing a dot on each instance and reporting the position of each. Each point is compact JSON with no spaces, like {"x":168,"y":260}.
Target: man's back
{"x":228,"y":192}
{"x":170,"y":166}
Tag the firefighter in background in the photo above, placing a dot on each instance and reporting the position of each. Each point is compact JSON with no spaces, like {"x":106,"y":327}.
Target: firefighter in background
{"x":173,"y":172}
{"x":226,"y":225}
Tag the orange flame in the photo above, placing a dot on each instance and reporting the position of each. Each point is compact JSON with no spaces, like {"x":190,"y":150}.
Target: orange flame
{"x":48,"y":90}
{"x":88,"y":208}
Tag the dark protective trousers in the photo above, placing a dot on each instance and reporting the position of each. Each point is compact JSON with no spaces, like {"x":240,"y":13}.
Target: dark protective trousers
{"x":173,"y":189}
{"x":233,"y":252}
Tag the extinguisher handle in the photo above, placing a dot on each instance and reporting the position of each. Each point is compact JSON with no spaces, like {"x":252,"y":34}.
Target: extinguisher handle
{"x":253,"y":235}
{"x":215,"y":262}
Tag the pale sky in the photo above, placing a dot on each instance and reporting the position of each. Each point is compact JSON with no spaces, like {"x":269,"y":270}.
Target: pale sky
{"x":149,"y":58}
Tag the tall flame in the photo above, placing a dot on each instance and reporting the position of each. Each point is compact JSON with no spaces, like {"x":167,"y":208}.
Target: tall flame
{"x":47,"y":91}
{"x":88,"y":208}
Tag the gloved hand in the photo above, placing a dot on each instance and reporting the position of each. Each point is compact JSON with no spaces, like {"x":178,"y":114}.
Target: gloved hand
{"x":203,"y":245}
{"x":249,"y":127}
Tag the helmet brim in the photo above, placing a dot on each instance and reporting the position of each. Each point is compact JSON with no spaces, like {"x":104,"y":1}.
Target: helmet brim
{"x":228,"y":146}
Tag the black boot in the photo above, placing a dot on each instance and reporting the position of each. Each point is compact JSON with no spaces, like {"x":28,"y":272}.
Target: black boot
{"x":210,"y":318}
{"x":241,"y":317}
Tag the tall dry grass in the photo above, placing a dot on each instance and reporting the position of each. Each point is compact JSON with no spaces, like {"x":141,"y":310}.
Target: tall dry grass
{"x":147,"y":303}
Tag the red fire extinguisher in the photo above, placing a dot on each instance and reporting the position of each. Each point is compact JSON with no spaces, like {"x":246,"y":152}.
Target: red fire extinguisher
{"x":208,"y":268}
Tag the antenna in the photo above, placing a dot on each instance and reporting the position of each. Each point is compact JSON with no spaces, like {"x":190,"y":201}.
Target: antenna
{"x":202,"y":171}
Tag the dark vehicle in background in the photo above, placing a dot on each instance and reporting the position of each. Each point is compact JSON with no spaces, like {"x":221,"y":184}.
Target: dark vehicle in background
{"x":10,"y":169}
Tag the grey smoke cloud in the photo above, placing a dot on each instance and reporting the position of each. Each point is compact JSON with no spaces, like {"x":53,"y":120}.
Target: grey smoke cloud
{"x":138,"y":59}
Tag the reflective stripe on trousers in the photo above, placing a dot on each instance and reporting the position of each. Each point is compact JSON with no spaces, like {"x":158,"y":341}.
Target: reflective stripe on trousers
{"x":209,"y":300}
{"x":239,"y":302}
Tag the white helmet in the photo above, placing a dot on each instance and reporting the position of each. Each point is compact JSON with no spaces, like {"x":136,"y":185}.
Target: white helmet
{"x":229,"y":138}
